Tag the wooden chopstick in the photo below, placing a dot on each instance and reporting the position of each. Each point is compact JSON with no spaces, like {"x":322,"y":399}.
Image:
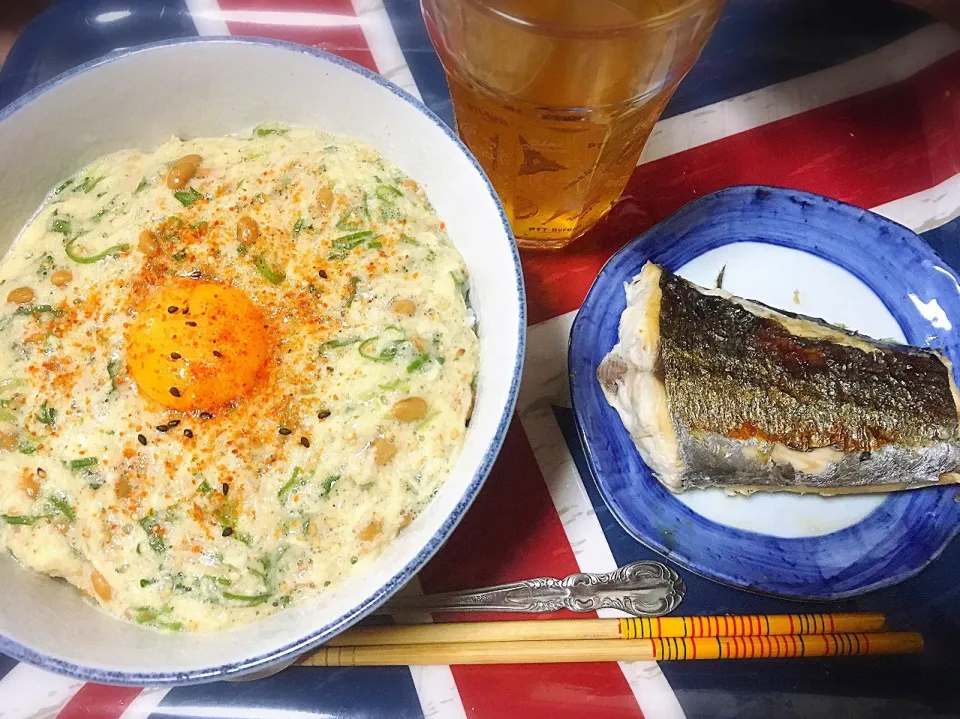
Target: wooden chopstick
{"x":628,"y":628}
{"x":604,"y":650}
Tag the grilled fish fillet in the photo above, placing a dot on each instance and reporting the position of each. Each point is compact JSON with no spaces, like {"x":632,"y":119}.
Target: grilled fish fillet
{"x":718,"y":391}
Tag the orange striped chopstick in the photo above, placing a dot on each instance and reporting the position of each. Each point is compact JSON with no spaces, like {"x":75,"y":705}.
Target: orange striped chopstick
{"x":601,"y":650}
{"x":627,"y":628}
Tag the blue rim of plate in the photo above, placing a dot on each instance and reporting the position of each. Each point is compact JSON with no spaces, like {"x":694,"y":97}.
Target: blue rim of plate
{"x":319,"y":635}
{"x":892,"y":543}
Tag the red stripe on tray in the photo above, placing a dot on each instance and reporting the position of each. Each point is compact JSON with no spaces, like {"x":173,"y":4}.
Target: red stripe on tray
{"x":513,"y":532}
{"x":867,"y":150}
{"x":345,"y":39}
{"x":100,"y":701}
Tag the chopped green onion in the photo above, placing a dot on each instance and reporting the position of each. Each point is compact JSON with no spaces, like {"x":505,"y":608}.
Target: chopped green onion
{"x":241,"y":249}
{"x":27,"y":448}
{"x":170,"y":626}
{"x":151,"y":525}
{"x":354,"y":282}
{"x":11,"y":383}
{"x":274,"y":277}
{"x":387,"y":354}
{"x":419,"y":361}
{"x":63,"y":506}
{"x":426,"y":420}
{"x":328,"y":484}
{"x":81,"y":463}
{"x":63,"y":187}
{"x":22,"y":519}
{"x":224,"y":582}
{"x":204,"y":488}
{"x":344,"y":222}
{"x":387,"y":193}
{"x":261,"y":131}
{"x":457,"y":280}
{"x":89,"y":260}
{"x":148,"y":614}
{"x":113,"y":369}
{"x":297,"y":480}
{"x":89,"y":183}
{"x":37,"y":310}
{"x":147,"y":582}
{"x":374,"y":245}
{"x":141,"y":187}
{"x":335,"y":344}
{"x":46,"y":264}
{"x":179,"y":256}
{"x":408,"y":240}
{"x":348,"y":242}
{"x":388,"y":386}
{"x":61,"y":226}
{"x":187,"y":197}
{"x":299,"y":226}
{"x":243,"y":537}
{"x":46,"y":415}
{"x":250,"y":599}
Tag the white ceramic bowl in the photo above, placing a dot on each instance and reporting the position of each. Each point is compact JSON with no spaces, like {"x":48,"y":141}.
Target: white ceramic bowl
{"x":142,"y":96}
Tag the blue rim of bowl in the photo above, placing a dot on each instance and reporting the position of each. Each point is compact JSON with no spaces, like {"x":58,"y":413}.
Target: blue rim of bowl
{"x":682,"y":553}
{"x":215,"y":673}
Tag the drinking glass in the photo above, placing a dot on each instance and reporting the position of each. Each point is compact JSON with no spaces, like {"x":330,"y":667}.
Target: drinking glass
{"x":556,"y":98}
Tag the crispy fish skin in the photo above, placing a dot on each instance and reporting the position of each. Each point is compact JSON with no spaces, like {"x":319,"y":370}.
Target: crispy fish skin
{"x":761,"y":400}
{"x":743,"y":376}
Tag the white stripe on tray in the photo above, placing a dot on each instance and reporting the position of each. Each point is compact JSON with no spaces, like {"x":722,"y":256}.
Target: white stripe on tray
{"x":207,"y":17}
{"x":891,"y":63}
{"x":145,"y":703}
{"x":384,"y":45}
{"x":26,"y":691}
{"x":928,"y":209}
{"x":544,"y":385}
{"x":435,"y":685}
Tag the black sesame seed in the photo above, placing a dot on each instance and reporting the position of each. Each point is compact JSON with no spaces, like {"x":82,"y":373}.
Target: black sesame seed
{"x":225,"y":488}
{"x":196,"y":274}
{"x":206,"y":415}
{"x":323,"y":274}
{"x":186,"y":310}
{"x":864,"y":456}
{"x":174,"y":391}
{"x":174,"y":355}
{"x":305,"y":442}
{"x":173,"y":422}
{"x":141,"y":439}
{"x":323,"y":414}
{"x":172,"y":309}
{"x":162,"y":427}
{"x":188,"y":434}
{"x":191,"y":323}
{"x":217,"y":354}
{"x":227,"y":531}
{"x":284,"y":431}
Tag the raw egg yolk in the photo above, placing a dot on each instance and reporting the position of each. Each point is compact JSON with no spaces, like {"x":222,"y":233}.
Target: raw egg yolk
{"x":197,"y":345}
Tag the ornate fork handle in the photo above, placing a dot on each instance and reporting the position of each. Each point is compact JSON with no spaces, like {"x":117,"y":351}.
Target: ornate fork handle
{"x":644,"y":589}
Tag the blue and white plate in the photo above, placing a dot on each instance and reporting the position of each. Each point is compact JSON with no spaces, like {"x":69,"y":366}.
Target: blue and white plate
{"x":803,"y":253}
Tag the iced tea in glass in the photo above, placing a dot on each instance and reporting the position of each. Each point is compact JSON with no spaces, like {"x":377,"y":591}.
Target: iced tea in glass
{"x":556,"y":98}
